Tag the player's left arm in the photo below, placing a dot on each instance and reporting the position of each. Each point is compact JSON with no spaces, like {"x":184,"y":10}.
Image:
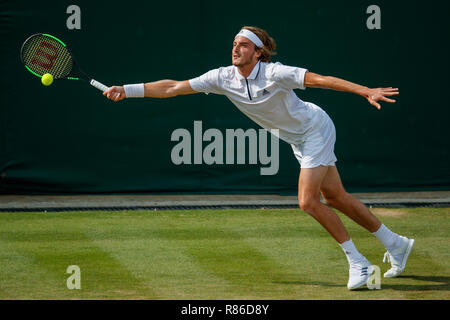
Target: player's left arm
{"x":373,"y":95}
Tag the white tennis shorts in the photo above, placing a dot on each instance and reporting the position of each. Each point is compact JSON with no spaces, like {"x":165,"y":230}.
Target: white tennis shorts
{"x":318,"y":147}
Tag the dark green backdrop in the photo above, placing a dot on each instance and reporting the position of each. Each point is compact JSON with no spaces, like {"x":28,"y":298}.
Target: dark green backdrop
{"x":67,"y":138}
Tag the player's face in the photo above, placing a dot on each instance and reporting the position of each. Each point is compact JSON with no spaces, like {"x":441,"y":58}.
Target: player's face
{"x":243,"y":52}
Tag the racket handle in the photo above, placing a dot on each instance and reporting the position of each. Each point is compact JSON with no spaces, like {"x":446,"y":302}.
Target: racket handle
{"x":98,"y":85}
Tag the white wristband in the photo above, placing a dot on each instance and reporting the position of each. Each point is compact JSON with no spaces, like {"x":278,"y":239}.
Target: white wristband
{"x":134,"y":90}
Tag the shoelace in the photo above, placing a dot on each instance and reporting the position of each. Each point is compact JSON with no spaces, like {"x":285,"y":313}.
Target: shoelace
{"x":390,"y":259}
{"x":387,"y":256}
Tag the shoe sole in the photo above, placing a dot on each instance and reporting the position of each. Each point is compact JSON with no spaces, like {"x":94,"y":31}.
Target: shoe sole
{"x":408,"y":251}
{"x":405,"y":257}
{"x":370,"y":271}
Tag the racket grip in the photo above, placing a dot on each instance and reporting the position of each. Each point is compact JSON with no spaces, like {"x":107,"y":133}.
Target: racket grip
{"x":98,"y":85}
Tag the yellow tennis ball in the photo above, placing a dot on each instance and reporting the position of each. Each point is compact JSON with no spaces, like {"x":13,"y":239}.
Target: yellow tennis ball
{"x":47,"y":79}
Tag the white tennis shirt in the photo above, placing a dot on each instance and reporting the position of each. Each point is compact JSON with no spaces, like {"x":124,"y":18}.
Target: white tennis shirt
{"x":266,"y":97}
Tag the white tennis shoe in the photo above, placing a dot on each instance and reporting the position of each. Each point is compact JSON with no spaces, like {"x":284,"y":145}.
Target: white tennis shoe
{"x":359,"y":274}
{"x":398,"y":257}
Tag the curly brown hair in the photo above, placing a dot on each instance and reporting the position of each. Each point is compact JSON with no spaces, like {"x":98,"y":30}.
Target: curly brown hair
{"x":268,"y":50}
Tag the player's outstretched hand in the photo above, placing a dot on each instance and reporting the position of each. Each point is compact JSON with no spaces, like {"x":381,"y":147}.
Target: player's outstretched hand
{"x":381,"y":94}
{"x":115,"y":93}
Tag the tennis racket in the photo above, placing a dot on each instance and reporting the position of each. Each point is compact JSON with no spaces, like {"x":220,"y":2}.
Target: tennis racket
{"x":43,"y":53}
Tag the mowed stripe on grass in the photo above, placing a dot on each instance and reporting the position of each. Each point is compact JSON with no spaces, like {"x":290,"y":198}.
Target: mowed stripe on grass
{"x":36,"y":252}
{"x":209,"y":254}
{"x":181,"y":253}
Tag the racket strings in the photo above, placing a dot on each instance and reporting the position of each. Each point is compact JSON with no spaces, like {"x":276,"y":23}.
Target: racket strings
{"x":43,"y":54}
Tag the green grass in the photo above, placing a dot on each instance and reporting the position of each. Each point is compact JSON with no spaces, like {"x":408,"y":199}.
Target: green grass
{"x":211,"y":254}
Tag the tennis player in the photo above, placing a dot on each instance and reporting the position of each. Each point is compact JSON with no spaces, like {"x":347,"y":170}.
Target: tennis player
{"x":264,"y":92}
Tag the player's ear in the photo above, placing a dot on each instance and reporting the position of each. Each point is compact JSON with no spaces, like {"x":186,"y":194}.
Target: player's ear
{"x":258,"y":52}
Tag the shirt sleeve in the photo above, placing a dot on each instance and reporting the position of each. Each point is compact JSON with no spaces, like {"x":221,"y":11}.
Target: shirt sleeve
{"x":207,"y":82}
{"x":289,"y":77}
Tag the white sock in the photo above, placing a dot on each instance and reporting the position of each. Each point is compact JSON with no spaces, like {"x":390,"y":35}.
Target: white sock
{"x":352,"y":254}
{"x":386,"y":236}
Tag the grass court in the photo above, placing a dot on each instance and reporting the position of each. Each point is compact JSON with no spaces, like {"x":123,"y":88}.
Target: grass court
{"x":212,"y":254}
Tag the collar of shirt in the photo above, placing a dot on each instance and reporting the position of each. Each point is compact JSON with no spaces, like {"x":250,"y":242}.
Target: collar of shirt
{"x":252,"y":75}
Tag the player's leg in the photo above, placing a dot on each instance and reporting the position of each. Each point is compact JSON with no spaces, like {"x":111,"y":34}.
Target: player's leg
{"x":398,"y":247}
{"x":309,"y":199}
{"x":335,"y":195}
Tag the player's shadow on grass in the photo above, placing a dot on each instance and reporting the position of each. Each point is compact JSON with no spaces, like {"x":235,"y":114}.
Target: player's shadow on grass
{"x":443,"y":284}
{"x":439,"y":283}
{"x":310,"y":283}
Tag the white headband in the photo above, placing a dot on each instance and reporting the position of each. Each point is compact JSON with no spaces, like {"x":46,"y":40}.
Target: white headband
{"x":251,"y":36}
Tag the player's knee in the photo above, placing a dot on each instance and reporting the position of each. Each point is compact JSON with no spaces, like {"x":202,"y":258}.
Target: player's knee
{"x":307,"y":204}
{"x":335,"y":198}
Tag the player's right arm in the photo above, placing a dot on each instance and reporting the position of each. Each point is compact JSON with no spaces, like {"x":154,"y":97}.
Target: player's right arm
{"x":157,"y":89}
